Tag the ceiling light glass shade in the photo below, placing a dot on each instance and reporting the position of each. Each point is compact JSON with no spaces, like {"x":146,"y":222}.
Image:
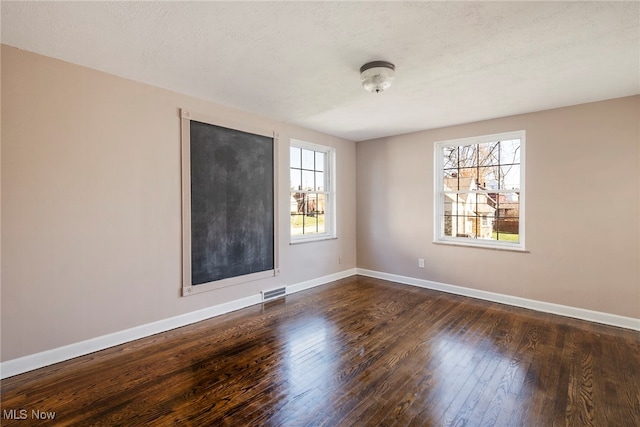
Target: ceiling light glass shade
{"x":377,"y":76}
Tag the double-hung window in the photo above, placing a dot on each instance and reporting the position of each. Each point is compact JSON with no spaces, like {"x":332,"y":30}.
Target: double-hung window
{"x":312,"y":190}
{"x":479,"y":191}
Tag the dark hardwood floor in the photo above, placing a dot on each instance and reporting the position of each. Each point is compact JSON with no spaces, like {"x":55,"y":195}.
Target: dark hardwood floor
{"x":357,"y":352}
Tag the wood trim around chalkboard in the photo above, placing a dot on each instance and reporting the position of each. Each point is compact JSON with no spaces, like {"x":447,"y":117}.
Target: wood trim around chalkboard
{"x":187,"y":287}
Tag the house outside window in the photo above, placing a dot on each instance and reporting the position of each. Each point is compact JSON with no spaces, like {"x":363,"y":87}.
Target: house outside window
{"x":312,"y":192}
{"x":479,"y":191}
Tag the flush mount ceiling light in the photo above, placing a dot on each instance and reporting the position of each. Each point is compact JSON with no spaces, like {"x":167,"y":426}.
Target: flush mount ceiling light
{"x":377,"y":76}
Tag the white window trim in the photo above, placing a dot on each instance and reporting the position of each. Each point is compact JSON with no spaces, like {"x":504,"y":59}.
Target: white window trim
{"x":438,"y":194}
{"x":330,"y":209}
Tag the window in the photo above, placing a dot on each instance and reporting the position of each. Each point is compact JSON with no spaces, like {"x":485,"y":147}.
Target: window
{"x":479,"y":191}
{"x":312,"y":193}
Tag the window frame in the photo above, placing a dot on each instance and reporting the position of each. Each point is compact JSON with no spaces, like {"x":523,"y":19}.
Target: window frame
{"x":330,"y":192}
{"x":439,"y":194}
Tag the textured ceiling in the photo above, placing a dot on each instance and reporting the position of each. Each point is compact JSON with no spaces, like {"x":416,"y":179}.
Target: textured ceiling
{"x":298,"y":62}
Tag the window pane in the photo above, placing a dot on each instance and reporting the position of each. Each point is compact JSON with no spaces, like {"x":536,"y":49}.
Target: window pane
{"x":308,"y":213}
{"x":491,"y":166}
{"x":506,"y":229}
{"x":484,"y":205}
{"x":456,"y":225}
{"x":297,"y":202}
{"x":483,"y":226}
{"x":510,"y":177}
{"x":450,"y":182}
{"x":467,"y":155}
{"x":474,"y":215}
{"x":454,"y":203}
{"x":311,"y":224}
{"x":315,"y":204}
{"x":448,"y":225}
{"x":466,"y":226}
{"x":319,"y":181}
{"x":294,"y":157}
{"x":465,"y":181}
{"x":467,"y":178}
{"x":510,"y":151}
{"x":312,"y":203}
{"x":450,"y":157}
{"x":307,"y":159}
{"x":321,"y":200}
{"x":310,"y":192}
{"x":320,"y":161}
{"x":488,"y":153}
{"x":296,"y":179}
{"x":320,"y":227}
{"x":449,"y":201}
{"x":307,"y":180}
{"x":297,"y":224}
{"x":508,"y":206}
{"x":452,"y":224}
{"x":485,"y":179}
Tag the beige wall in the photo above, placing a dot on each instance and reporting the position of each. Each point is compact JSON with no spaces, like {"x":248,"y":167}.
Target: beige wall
{"x":91,"y":231}
{"x":582,"y":209}
{"x":91,"y":205}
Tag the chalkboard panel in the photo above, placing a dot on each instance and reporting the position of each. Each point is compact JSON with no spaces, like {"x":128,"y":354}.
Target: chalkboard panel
{"x":231,"y":204}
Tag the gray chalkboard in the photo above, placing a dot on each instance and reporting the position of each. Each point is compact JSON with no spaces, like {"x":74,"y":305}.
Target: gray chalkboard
{"x":232,"y":203}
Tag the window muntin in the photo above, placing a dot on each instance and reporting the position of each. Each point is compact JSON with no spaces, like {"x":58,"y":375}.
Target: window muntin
{"x":311,"y":193}
{"x":479,"y":191}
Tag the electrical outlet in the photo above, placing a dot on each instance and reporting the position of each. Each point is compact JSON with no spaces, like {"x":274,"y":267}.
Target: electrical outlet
{"x":421,"y":263}
{"x":339,"y":260}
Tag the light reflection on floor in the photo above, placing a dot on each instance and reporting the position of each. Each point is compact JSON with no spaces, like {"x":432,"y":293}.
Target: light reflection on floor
{"x":309,"y":361}
{"x":465,"y":368}
{"x":458,"y":361}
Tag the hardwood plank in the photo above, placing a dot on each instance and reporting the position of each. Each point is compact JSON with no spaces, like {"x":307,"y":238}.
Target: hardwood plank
{"x":501,"y":403}
{"x":359,"y":351}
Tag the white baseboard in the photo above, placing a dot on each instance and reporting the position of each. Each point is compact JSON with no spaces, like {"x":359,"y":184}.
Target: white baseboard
{"x":320,"y":281}
{"x":60,"y":354}
{"x":547,"y":307}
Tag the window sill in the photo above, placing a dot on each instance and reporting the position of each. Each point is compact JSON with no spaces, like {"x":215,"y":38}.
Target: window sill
{"x":319,"y":239}
{"x":481,"y":246}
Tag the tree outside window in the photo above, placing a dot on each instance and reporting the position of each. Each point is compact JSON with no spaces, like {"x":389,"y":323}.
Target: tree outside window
{"x":480,"y":191}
